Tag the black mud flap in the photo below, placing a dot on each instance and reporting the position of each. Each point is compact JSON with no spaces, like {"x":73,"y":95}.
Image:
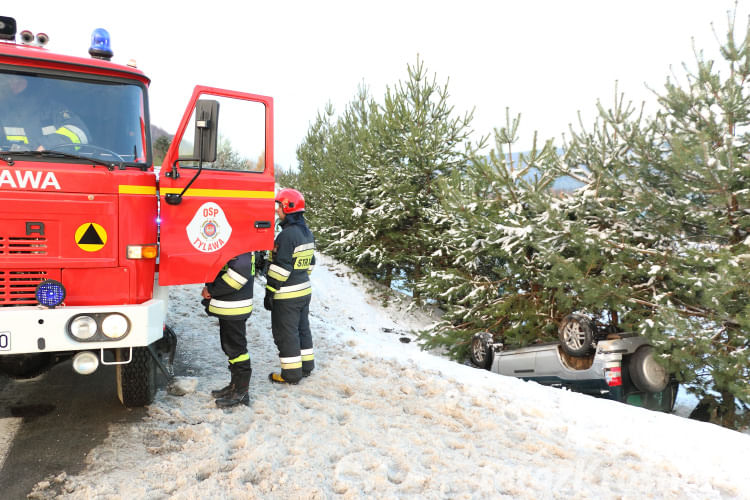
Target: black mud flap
{"x":170,"y":347}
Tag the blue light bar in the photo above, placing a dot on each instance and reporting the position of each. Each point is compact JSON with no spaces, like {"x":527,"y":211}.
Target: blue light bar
{"x":100,"y":41}
{"x":50,"y":293}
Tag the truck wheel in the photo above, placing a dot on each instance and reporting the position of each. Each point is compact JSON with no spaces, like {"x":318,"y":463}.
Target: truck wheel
{"x":481,"y":350}
{"x":576,"y":335}
{"x":647,"y":375}
{"x":136,"y":381}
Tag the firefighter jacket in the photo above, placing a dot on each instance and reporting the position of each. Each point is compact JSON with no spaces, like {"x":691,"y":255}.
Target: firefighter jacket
{"x":292,"y":261}
{"x":232,"y":290}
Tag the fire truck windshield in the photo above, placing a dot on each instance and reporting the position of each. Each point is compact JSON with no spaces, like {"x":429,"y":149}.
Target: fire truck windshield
{"x":98,"y":119}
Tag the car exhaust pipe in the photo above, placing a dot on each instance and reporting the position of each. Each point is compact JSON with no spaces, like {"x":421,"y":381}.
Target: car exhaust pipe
{"x":85,"y":362}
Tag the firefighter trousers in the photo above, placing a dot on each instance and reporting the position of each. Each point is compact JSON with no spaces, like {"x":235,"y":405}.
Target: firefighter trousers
{"x":292,"y":336}
{"x":233,"y":336}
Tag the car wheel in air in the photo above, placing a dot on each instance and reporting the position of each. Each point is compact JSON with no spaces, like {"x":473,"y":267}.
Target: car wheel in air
{"x":481,"y":350}
{"x":645,"y":372}
{"x":576,"y":335}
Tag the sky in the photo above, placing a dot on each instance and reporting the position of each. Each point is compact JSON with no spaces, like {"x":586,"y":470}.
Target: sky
{"x":545,"y":59}
{"x":379,"y":418}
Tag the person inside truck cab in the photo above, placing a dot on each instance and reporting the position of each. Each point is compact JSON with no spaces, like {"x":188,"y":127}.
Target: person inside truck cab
{"x":30,"y":120}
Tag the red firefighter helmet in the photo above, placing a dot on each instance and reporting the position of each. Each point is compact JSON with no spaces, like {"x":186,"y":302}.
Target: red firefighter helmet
{"x":291,"y":201}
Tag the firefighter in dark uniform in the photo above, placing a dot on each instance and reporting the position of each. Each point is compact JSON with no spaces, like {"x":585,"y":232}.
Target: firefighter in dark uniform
{"x":288,"y":289}
{"x":230,"y":298}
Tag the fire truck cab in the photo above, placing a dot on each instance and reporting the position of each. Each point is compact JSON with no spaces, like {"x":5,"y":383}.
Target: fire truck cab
{"x":91,"y":233}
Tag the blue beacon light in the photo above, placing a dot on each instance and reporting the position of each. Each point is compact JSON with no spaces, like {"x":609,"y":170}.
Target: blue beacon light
{"x":50,"y":293}
{"x":100,"y":45}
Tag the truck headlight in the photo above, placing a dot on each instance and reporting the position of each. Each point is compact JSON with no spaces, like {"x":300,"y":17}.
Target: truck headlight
{"x":115,"y":326}
{"x":83,"y":327}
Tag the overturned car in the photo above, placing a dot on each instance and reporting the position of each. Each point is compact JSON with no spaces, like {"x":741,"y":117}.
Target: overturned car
{"x":618,"y":366}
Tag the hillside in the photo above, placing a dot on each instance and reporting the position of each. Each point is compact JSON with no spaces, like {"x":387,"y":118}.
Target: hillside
{"x":381,"y":418}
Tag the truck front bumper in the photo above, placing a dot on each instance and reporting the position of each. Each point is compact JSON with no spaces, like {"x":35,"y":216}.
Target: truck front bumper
{"x":32,"y":329}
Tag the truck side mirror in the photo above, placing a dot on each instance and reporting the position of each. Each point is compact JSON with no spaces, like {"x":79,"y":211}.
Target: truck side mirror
{"x":206,"y":130}
{"x":204,"y":145}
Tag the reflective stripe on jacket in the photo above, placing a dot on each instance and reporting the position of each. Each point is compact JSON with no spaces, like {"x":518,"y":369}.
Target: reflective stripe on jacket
{"x":232,"y":290}
{"x":15,"y":134}
{"x":74,"y":134}
{"x":291,"y":262}
{"x":70,"y":133}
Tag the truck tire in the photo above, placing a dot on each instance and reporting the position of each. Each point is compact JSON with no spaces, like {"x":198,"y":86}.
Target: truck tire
{"x":576,"y":335}
{"x":481,"y":350}
{"x":136,"y":381}
{"x":647,"y":375}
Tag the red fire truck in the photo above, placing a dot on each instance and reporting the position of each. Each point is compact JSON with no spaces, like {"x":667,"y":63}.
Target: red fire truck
{"x":91,"y":234}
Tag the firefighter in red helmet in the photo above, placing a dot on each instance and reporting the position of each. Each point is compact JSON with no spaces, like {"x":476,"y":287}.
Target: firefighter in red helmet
{"x":288,"y":289}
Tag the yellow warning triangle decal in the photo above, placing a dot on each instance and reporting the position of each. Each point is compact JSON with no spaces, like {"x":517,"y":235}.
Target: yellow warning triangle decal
{"x":90,"y":237}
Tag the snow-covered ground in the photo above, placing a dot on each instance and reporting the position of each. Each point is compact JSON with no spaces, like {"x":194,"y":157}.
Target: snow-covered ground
{"x":381,"y":418}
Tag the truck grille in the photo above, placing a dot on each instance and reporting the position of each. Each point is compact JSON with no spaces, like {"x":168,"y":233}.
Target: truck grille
{"x":23,"y":245}
{"x":17,"y":287}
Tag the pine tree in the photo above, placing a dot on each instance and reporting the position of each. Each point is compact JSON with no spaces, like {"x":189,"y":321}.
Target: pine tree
{"x":692,"y":163}
{"x":493,"y":282}
{"x":329,"y":169}
{"x":373,"y":171}
{"x":595,"y":245}
{"x":415,"y":140}
{"x":656,"y":241}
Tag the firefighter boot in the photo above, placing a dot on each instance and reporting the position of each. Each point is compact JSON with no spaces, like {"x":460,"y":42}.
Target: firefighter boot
{"x":276,"y":378}
{"x":237,"y":397}
{"x":239,"y":394}
{"x":225,"y":391}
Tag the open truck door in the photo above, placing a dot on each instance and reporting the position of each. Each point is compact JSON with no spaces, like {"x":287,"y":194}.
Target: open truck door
{"x":216,"y":185}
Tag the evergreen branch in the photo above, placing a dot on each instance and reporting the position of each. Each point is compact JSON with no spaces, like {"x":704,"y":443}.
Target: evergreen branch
{"x":644,"y":251}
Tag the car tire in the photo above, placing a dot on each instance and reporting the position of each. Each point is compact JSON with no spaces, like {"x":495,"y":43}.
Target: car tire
{"x":645,"y":372}
{"x":481,"y":350}
{"x":576,"y":334}
{"x":136,"y":381}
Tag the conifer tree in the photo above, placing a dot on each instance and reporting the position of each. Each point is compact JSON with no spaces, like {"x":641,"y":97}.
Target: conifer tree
{"x":329,"y":160}
{"x":373,"y":173}
{"x":656,"y":241}
{"x":494,"y":277}
{"x":416,"y":139}
{"x":692,"y":163}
